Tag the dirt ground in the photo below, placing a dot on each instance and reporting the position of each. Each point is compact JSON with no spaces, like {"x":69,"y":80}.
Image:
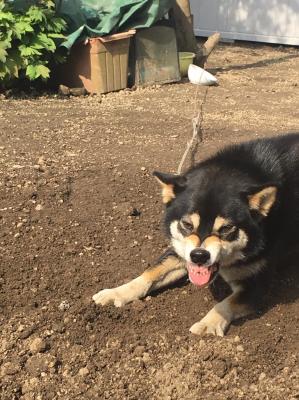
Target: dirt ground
{"x":80,"y":211}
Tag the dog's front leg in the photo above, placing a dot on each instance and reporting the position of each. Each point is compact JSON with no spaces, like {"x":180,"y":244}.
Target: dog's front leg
{"x":170,"y":269}
{"x":217,"y":320}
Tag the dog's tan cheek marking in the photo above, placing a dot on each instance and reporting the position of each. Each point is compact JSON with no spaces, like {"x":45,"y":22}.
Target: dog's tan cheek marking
{"x":211,"y":241}
{"x":213,"y":245}
{"x":195,"y":218}
{"x":193,"y":240}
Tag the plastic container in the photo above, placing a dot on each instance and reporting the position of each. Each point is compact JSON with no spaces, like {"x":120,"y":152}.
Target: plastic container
{"x":185,"y":59}
{"x":99,"y":64}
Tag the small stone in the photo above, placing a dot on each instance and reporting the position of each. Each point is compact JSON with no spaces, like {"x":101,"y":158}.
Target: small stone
{"x":58,"y":327}
{"x":206,"y":354}
{"x":20,"y":328}
{"x":39,"y":167}
{"x":27,"y":332}
{"x":262,"y":376}
{"x":38,"y":345}
{"x":83,"y":371}
{"x":9,"y":368}
{"x":39,"y":207}
{"x":39,"y":363}
{"x":146,"y":358}
{"x":30,"y":385}
{"x":81,"y":91}
{"x":139,"y":350}
{"x":220,"y":368}
{"x":64,"y":305}
{"x":143,"y":169}
{"x":240,"y":348}
{"x":41,"y":160}
{"x":64,"y":90}
{"x":237,"y":339}
{"x":134,"y":212}
{"x":253,"y":387}
{"x":138,"y":305}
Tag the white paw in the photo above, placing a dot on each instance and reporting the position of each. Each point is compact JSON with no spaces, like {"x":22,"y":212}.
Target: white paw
{"x":108,"y":296}
{"x":213,"y":323}
{"x":123,"y":294}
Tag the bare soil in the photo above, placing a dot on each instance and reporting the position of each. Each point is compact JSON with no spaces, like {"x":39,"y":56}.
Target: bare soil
{"x":80,"y":211}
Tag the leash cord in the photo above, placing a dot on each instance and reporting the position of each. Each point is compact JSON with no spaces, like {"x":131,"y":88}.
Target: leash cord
{"x":197,"y":135}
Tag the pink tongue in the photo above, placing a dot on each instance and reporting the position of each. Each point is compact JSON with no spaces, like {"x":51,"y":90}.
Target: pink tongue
{"x":198,"y":275}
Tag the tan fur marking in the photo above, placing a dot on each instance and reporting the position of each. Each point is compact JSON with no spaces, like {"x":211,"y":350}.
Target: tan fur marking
{"x":195,"y":218}
{"x":234,"y":308}
{"x":219,"y":222}
{"x":263,"y":200}
{"x":194,"y":239}
{"x":211,"y":240}
{"x":159,"y":271}
{"x":167,"y":191}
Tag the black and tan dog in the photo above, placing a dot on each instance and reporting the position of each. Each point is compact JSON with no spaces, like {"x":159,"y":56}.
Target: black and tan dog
{"x":235,"y":214}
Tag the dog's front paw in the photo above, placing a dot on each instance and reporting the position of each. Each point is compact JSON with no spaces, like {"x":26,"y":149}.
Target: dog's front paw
{"x":108,"y":296}
{"x":213,"y":323}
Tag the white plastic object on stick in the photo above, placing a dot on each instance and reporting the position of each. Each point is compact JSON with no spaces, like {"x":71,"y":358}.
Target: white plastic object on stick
{"x":200,"y":76}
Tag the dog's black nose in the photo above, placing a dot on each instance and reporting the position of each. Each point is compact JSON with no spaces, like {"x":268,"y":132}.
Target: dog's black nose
{"x":199,"y":256}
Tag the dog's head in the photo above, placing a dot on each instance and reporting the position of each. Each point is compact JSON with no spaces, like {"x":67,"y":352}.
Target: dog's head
{"x":214,"y":218}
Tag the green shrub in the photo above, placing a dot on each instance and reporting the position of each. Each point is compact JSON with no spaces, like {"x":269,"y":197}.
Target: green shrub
{"x":28,"y":41}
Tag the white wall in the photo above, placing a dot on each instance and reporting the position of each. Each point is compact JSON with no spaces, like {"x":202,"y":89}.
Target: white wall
{"x":270,"y":21}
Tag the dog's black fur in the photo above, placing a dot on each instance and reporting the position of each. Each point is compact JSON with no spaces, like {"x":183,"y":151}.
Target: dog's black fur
{"x":236,"y":214}
{"x":221,"y":185}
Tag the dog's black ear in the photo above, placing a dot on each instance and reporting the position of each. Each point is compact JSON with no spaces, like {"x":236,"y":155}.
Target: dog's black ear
{"x":171,"y":185}
{"x":261,"y":199}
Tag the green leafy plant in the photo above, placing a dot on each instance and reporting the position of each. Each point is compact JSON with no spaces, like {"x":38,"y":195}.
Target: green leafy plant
{"x":28,"y":41}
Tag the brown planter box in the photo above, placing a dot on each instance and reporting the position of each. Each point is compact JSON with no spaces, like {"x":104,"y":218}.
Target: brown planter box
{"x":100,"y":64}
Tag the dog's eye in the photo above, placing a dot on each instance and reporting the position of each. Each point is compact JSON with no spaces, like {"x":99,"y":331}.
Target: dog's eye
{"x":228,"y":232}
{"x":226,"y":228}
{"x":186,"y":225}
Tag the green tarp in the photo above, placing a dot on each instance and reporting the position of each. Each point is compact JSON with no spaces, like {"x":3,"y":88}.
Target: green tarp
{"x":90,"y":18}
